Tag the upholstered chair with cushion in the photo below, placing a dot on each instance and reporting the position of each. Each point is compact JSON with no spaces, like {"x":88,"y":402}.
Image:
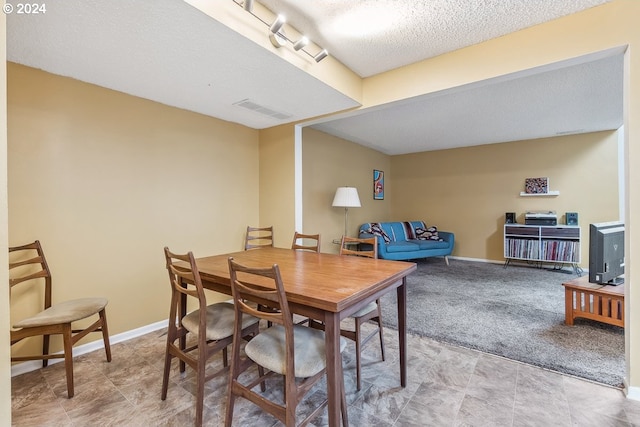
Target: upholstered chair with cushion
{"x":27,"y":264}
{"x":372,"y":311}
{"x":209,"y":327}
{"x":294,"y":352}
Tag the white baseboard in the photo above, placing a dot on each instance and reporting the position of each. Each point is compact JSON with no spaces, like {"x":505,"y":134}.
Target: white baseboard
{"x":490,"y":261}
{"x":32,"y":365}
{"x":633,"y":393}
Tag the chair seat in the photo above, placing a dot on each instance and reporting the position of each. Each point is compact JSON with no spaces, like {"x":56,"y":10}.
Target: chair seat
{"x":220,"y":321}
{"x":268,"y":350}
{"x":366,"y":309}
{"x":65,"y":312}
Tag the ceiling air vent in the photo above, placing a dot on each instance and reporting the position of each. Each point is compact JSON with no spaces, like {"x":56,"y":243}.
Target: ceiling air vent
{"x":261,"y":109}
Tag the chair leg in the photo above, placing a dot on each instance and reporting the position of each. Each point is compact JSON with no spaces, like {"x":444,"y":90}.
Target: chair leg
{"x":45,"y":350}
{"x":200,"y":378}
{"x":105,"y":334}
{"x":165,"y":376}
{"x":231,"y":399}
{"x":171,"y":337}
{"x":343,"y":406}
{"x":68,"y":357}
{"x":225,"y":357}
{"x":380,"y":330}
{"x":446,"y":259}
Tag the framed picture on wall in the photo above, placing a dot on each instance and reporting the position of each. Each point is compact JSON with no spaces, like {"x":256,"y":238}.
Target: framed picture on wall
{"x":536,"y":185}
{"x":378,"y":185}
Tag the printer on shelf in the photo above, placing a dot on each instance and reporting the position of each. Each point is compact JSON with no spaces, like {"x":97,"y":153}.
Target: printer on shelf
{"x":541,"y":218}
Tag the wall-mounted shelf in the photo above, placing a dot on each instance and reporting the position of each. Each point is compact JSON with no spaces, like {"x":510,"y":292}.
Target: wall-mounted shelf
{"x":548,"y":194}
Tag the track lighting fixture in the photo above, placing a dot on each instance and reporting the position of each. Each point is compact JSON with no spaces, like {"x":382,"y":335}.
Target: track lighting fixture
{"x":301,"y":43}
{"x":321,"y":55}
{"x":277,"y":35}
{"x":277,"y":24}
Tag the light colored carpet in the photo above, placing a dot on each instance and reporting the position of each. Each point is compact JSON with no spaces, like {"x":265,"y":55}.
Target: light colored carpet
{"x":516,"y":312}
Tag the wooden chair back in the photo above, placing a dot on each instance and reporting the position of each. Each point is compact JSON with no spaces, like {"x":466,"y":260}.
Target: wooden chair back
{"x":365,"y":247}
{"x":185,"y":280}
{"x":27,"y":264}
{"x":309,"y":242}
{"x":270,"y":293}
{"x":31,"y":267}
{"x":258,"y":237}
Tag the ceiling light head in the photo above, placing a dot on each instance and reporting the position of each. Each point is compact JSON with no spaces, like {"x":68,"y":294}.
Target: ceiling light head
{"x":277,"y":24}
{"x":248,"y":5}
{"x":301,"y":43}
{"x":278,"y":39}
{"x":321,"y":55}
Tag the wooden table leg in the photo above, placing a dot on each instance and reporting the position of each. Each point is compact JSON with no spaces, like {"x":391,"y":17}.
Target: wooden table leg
{"x":334,"y":367}
{"x":568,"y":306}
{"x":402,"y":330}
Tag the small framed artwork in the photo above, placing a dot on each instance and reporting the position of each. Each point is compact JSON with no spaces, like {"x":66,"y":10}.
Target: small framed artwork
{"x":378,"y":185}
{"x":536,"y":185}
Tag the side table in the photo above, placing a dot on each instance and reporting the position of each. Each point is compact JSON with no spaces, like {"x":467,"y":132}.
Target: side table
{"x":604,"y":303}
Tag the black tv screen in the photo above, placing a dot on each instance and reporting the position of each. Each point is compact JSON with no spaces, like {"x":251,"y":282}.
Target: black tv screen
{"x":606,"y":253}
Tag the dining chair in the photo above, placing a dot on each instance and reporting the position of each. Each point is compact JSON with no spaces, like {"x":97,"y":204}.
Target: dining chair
{"x":28,"y":264}
{"x":258,"y":237}
{"x":306,"y":242}
{"x":211,"y":326}
{"x":371,"y":312}
{"x":293,"y":352}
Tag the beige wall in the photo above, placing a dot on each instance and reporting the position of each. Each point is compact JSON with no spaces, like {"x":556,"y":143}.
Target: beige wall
{"x":468,"y":190}
{"x":328,"y":163}
{"x":277,"y":172}
{"x":5,"y":365}
{"x":105,"y":180}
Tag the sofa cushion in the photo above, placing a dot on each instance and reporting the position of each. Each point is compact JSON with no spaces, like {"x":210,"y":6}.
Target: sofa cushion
{"x":410,"y":228}
{"x":409,"y":232}
{"x":431,"y":244}
{"x":429,"y":233}
{"x":402,"y":246}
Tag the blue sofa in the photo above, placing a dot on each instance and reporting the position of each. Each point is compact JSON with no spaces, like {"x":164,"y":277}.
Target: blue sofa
{"x":409,"y":240}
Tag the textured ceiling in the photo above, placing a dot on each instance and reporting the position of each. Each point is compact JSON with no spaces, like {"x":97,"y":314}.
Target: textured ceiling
{"x":373,"y":36}
{"x":574,"y":96}
{"x":170,"y":52}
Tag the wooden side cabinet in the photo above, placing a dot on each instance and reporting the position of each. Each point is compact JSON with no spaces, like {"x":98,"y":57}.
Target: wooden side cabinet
{"x":558,"y":244}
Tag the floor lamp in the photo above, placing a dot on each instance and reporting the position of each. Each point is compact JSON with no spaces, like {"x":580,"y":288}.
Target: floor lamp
{"x":346,"y":197}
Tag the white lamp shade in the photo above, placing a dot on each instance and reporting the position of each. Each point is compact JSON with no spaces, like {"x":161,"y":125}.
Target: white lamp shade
{"x":346,"y":197}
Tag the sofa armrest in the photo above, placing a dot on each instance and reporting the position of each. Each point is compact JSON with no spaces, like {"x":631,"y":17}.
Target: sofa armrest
{"x":447,"y":237}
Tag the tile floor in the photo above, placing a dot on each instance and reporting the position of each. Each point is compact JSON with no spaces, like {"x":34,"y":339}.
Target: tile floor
{"x":447,"y":386}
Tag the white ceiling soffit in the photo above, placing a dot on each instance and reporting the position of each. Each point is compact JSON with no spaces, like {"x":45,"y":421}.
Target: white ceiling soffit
{"x":574,"y":96}
{"x":169,"y":52}
{"x":373,"y":36}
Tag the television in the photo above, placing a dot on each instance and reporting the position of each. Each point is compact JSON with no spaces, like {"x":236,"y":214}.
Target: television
{"x":606,"y":253}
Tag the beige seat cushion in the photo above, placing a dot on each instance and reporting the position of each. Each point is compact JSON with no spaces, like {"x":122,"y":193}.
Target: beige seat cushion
{"x":366,"y":309}
{"x":65,"y":312}
{"x":220,"y":321}
{"x":268,"y":350}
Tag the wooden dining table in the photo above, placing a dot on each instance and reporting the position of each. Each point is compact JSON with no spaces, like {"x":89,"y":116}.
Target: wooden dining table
{"x":325,"y":287}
